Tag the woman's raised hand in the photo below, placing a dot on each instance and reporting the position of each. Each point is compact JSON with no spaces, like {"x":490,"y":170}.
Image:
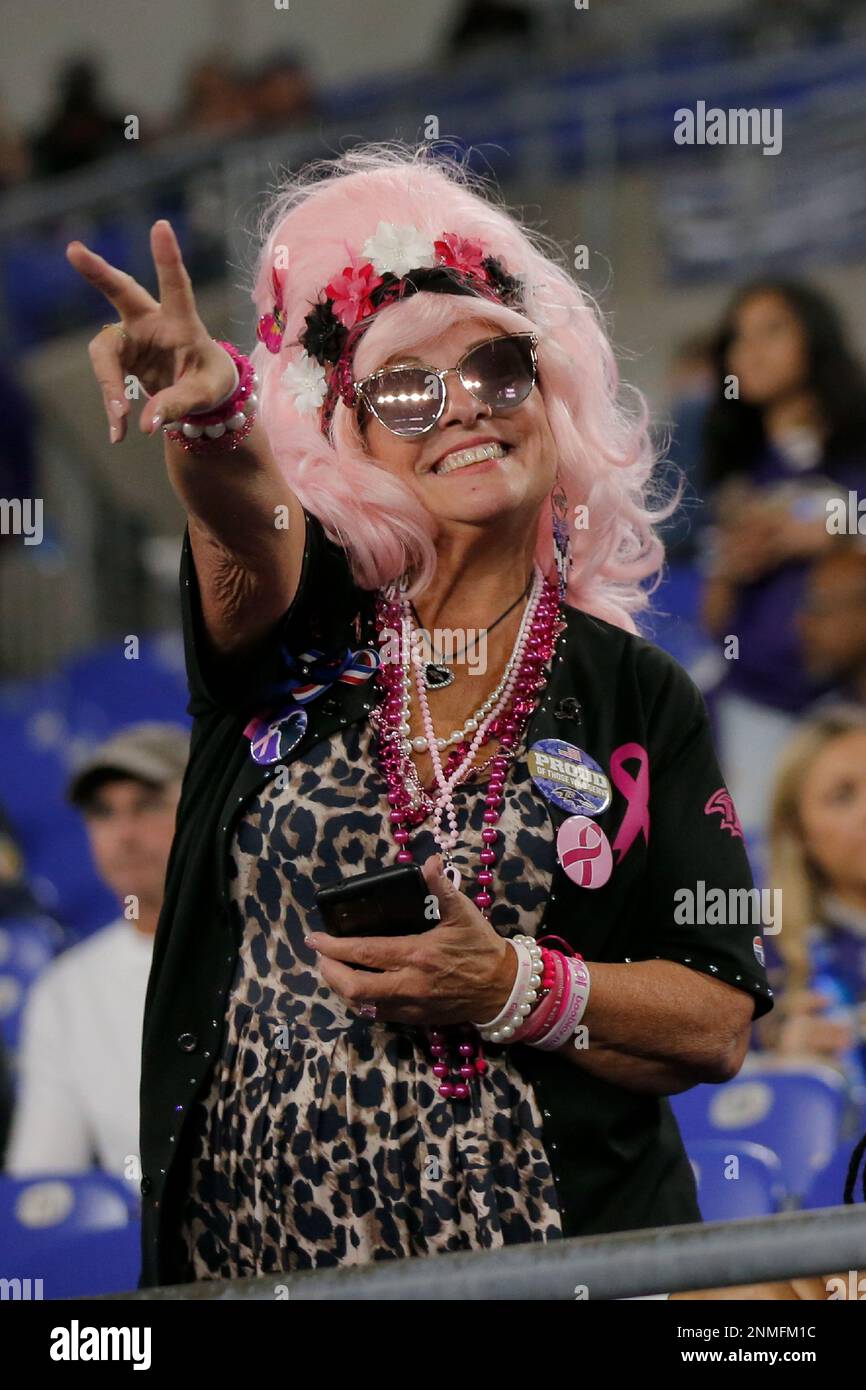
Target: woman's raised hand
{"x":164,"y":343}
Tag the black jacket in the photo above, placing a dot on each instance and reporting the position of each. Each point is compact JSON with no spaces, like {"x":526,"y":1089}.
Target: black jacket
{"x":617,"y":1156}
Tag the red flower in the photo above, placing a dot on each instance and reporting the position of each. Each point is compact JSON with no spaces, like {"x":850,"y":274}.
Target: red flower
{"x":462,"y":254}
{"x":351,"y":290}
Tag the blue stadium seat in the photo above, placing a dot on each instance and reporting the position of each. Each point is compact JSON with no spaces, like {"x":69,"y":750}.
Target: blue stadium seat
{"x":827,"y":1188}
{"x":736,"y":1180}
{"x":27,"y":945}
{"x":48,"y":724}
{"x":796,"y":1113}
{"x":79,"y":1234}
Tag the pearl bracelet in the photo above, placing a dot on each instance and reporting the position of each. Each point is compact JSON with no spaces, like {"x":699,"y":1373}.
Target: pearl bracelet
{"x":524,"y":992}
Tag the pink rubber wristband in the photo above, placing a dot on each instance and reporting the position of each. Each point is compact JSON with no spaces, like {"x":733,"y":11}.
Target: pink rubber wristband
{"x":578,"y":994}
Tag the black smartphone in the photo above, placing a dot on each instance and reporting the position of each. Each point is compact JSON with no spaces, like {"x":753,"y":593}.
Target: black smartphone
{"x":388,"y":902}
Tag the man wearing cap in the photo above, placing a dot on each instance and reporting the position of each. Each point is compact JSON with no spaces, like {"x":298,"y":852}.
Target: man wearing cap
{"x":80,"y":1050}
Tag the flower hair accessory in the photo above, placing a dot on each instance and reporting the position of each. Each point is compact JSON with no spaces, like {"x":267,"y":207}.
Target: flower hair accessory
{"x":394,"y":263}
{"x":271,"y":327}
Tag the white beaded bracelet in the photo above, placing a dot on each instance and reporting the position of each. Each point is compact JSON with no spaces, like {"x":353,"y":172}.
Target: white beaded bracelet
{"x":524,"y":992}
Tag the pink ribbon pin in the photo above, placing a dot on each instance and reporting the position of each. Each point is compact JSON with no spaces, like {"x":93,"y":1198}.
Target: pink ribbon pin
{"x":584,"y":852}
{"x":636,"y":791}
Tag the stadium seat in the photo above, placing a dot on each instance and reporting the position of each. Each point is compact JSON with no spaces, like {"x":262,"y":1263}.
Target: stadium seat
{"x":736,"y":1179}
{"x":796,"y":1113}
{"x":47,"y":725}
{"x":827,"y":1188}
{"x":78,"y":1234}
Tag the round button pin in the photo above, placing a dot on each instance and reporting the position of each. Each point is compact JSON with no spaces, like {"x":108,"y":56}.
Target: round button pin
{"x":274,"y":738}
{"x":568,"y":777}
{"x":584,"y":852}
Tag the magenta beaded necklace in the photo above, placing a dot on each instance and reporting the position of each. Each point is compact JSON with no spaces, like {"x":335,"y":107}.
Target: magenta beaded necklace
{"x":411,"y":803}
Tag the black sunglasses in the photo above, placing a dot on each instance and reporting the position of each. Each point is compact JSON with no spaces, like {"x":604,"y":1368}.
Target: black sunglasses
{"x":408,"y":400}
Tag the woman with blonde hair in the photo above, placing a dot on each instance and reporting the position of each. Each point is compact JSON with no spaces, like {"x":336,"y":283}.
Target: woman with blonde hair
{"x":430,"y":439}
{"x":817,"y":844}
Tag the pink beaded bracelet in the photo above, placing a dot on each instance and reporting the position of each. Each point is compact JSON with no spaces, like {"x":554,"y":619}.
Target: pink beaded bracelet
{"x":548,"y":1008}
{"x":230,"y":421}
{"x":562,"y":1003}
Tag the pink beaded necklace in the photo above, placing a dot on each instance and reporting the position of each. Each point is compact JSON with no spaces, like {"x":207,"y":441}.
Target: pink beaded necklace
{"x":411,"y":803}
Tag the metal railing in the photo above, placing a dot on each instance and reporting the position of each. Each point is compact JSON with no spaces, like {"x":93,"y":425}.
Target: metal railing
{"x":669,"y":1259}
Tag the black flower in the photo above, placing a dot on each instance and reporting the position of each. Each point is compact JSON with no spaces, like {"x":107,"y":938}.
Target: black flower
{"x":507,"y":286}
{"x":324,"y":336}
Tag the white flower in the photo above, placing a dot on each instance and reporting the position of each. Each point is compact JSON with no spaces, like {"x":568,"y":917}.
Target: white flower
{"x":398,"y":249}
{"x":305,"y":381}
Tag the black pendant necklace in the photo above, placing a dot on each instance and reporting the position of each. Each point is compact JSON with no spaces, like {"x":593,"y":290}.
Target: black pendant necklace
{"x":438,"y":674}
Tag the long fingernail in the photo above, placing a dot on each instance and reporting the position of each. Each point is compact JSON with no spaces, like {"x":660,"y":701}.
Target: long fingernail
{"x":119,"y":407}
{"x":157,"y":421}
{"x":113,"y":433}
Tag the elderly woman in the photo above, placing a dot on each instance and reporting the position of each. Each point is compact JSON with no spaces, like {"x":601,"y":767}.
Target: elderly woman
{"x":427,"y":441}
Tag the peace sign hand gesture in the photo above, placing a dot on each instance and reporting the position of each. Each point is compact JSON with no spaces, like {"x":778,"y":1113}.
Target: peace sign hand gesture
{"x":163,"y":343}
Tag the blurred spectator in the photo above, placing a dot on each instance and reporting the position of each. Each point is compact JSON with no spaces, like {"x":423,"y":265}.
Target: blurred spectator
{"x":80,"y":1055}
{"x":16,"y":899}
{"x":833,"y":619}
{"x":7,"y":1102}
{"x":484,"y":25}
{"x":776,"y":24}
{"x":17,"y":459}
{"x":18,"y":438}
{"x":280,"y":93}
{"x":817,"y":834}
{"x":216,"y":100}
{"x":14,"y":154}
{"x":82,"y":127}
{"x":786,"y":429}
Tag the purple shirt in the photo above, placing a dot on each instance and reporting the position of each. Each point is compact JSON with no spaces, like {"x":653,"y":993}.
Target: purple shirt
{"x":770,"y":668}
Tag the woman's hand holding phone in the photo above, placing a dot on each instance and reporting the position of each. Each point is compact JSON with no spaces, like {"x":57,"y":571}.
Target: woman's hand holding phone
{"x":460,"y":970}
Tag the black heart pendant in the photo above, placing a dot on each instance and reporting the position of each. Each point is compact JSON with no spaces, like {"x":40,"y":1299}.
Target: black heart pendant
{"x":436,"y":677}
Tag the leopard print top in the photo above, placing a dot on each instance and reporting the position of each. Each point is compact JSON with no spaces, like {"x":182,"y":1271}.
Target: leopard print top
{"x":323,"y":1140}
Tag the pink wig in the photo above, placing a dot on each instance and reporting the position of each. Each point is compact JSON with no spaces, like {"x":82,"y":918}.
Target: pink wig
{"x":326,"y":213}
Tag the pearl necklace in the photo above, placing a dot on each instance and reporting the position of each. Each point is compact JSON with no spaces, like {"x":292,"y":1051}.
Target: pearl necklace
{"x":410,"y":802}
{"x":457,"y":1052}
{"x":492,"y":708}
{"x":422,"y":742}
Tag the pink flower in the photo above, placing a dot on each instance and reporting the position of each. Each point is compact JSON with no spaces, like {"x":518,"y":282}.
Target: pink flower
{"x":351,"y":290}
{"x":462,"y":254}
{"x":271,"y":327}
